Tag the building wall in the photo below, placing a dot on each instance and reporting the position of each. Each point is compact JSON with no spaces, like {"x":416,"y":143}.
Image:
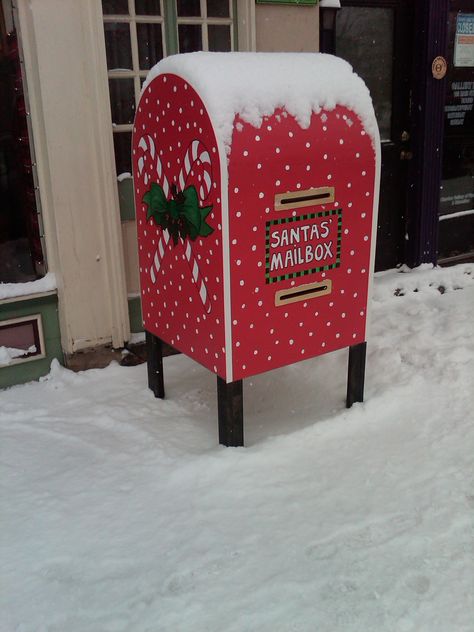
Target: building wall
{"x":66,"y":72}
{"x":287,"y":28}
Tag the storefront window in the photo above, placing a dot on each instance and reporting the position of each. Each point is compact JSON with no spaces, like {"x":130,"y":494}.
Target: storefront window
{"x":364,"y":37}
{"x":456,"y":228}
{"x":21,"y":255}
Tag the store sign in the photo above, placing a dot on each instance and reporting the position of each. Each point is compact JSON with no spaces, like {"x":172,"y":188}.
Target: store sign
{"x":464,"y":41}
{"x":460,"y":102}
{"x":439,"y":67}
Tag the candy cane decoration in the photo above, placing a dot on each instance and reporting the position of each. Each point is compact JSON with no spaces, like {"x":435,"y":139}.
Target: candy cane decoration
{"x":147,"y":145}
{"x":196,"y":152}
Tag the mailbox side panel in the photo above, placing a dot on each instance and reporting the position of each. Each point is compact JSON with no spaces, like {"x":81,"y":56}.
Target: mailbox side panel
{"x":300,"y":262}
{"x":178,"y":207}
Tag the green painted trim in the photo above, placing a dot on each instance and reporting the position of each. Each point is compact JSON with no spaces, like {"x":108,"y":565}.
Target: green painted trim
{"x":135,"y":315}
{"x":47,"y":306}
{"x":310,"y":3}
{"x":126,"y":199}
{"x":235,"y":25}
{"x":171,"y":27}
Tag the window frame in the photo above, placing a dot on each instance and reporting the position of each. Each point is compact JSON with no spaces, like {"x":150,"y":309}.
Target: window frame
{"x":170,"y":23}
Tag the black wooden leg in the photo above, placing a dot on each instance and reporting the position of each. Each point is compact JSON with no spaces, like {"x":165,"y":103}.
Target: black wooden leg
{"x":154,"y":350}
{"x":230,"y":412}
{"x":356,"y":374}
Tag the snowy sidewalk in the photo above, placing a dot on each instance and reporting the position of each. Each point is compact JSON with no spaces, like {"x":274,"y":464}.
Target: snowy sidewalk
{"x":120,"y":512}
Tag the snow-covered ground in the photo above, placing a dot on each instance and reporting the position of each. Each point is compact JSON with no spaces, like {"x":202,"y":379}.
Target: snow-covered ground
{"x":120,"y":512}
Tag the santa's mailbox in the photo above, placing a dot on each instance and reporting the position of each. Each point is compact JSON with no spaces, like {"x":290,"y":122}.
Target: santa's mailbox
{"x":256,"y":183}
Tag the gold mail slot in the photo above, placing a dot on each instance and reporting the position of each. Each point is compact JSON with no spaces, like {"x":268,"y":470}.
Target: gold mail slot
{"x":299,"y":199}
{"x":303,"y":292}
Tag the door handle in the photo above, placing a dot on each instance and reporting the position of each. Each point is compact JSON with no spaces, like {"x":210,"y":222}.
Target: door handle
{"x":406,"y":155}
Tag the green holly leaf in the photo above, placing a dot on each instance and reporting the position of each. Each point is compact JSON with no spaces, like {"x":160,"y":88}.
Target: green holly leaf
{"x":205,"y":229}
{"x":190,"y":207}
{"x":156,"y":201}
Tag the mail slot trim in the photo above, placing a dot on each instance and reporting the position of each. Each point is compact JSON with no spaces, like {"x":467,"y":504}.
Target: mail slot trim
{"x":304,"y":292}
{"x":300,"y":199}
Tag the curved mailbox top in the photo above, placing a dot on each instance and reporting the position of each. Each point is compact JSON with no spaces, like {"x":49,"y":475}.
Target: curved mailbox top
{"x":254,"y":85}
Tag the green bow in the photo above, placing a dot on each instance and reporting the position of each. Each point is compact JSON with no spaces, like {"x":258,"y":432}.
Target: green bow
{"x":181,"y":215}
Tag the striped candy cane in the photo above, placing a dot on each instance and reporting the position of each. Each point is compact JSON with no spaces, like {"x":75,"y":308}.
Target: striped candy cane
{"x":147,"y":145}
{"x":196,"y":152}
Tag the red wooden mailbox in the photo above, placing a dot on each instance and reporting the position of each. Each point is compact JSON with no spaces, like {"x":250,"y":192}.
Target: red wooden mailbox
{"x":256,"y":213}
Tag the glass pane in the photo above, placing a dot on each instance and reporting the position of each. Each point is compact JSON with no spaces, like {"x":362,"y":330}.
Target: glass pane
{"x":147,"y":7}
{"x":218,"y":8}
{"x":188,"y":8}
{"x":122,"y":100}
{"x":190,"y":38}
{"x":115,"y":7}
{"x":219,"y":38}
{"x":21,"y":257}
{"x":19,"y":335}
{"x":364,"y":37}
{"x":123,"y":152}
{"x":150,"y":45}
{"x":117,"y":46}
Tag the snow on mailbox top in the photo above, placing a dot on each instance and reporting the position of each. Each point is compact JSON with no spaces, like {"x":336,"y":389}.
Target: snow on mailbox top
{"x":254,"y":85}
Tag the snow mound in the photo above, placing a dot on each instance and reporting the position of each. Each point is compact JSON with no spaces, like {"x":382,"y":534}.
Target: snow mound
{"x":12,"y":290}
{"x":254,"y":85}
{"x":121,"y":514}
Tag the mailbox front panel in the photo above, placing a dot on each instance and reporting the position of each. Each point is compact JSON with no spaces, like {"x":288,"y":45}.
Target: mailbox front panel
{"x":178,"y":205}
{"x":300,"y":216}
